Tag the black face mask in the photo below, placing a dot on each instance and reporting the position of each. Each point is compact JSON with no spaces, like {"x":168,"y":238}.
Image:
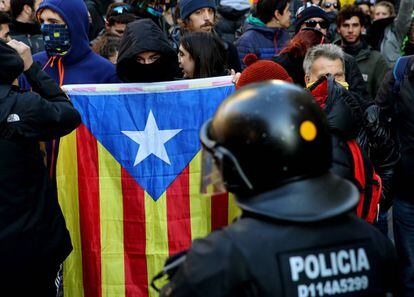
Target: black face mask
{"x":160,"y":70}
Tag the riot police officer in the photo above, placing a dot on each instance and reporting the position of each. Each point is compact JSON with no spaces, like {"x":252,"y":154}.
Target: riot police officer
{"x":298,"y":235}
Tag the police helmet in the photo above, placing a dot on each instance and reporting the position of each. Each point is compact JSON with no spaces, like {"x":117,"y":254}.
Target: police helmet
{"x":273,"y":136}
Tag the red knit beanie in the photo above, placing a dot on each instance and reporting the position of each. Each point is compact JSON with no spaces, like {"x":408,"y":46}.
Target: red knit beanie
{"x":261,"y":70}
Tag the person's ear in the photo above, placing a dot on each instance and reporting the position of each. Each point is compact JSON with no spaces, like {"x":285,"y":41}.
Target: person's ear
{"x":307,"y":79}
{"x":27,"y":9}
{"x":277,"y":15}
{"x":107,"y":26}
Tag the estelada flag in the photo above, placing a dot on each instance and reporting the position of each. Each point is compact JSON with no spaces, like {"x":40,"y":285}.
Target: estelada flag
{"x":129,"y":179}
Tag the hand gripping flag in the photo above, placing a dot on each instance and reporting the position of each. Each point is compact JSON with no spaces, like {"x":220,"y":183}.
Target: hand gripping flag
{"x":129,"y":179}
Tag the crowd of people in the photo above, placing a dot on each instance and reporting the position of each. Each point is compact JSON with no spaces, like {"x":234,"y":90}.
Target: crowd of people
{"x":347,"y":66}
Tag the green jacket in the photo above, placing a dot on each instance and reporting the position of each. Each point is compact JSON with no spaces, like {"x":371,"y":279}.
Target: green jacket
{"x":371,"y":63}
{"x":373,"y":67}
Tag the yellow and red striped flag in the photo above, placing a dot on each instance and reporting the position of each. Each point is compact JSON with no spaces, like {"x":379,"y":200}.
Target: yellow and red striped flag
{"x":128,"y":206}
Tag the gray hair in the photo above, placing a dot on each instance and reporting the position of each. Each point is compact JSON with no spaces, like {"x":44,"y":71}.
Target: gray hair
{"x":328,"y":51}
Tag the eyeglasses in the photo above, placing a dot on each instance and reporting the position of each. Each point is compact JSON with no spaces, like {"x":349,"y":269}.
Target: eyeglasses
{"x":123,"y":9}
{"x":328,"y":5}
{"x":313,"y":24}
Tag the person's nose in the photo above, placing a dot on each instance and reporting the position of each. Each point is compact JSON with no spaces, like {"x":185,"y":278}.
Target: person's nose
{"x":206,"y":16}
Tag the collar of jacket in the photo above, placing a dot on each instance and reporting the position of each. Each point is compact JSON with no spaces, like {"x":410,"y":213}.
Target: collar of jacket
{"x":263,"y":29}
{"x":360,"y":51}
{"x":255,"y":21}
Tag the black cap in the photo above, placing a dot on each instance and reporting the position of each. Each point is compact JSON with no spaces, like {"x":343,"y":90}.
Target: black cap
{"x":306,"y":13}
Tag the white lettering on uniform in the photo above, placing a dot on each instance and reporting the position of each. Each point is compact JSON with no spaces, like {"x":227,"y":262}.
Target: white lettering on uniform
{"x":363,"y":262}
{"x":341,"y":262}
{"x":325,"y":271}
{"x":353,"y":260}
{"x":303,"y":291}
{"x":344,"y":268}
{"x":311,"y":267}
{"x":334,"y":264}
{"x":335,"y":287}
{"x":296,"y":266}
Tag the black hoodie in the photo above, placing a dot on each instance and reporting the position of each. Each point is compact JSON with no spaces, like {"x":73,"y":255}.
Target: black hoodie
{"x":33,"y":235}
{"x":142,"y":36}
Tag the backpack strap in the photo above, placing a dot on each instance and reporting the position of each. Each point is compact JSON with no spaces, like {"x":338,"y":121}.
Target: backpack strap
{"x":401,"y":67}
{"x":359,"y":172}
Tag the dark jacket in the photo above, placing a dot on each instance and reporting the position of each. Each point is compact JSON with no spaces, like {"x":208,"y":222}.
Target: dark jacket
{"x":96,"y":10}
{"x":141,"y":36}
{"x":229,"y":21}
{"x":346,"y":122}
{"x":376,"y":139}
{"x":33,"y":234}
{"x":399,"y":108}
{"x":293,"y":65}
{"x":81,"y":65}
{"x":261,"y":256}
{"x":260,"y":40}
{"x":344,"y":119}
{"x":357,"y":86}
{"x":29,"y":34}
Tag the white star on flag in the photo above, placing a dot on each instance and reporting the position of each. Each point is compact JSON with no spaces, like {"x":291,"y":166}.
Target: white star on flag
{"x":151,"y":140}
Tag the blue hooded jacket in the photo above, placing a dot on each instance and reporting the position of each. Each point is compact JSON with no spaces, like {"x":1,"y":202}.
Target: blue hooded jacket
{"x":81,"y":65}
{"x":260,"y":40}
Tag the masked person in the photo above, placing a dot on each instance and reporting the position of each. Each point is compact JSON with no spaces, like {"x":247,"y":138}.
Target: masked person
{"x":271,"y":147}
{"x":34,"y":240}
{"x":68,"y":57}
{"x":387,"y":32}
{"x":145,"y":54}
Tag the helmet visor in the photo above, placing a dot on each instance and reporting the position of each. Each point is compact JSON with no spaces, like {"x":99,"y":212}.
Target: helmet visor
{"x":211,"y":179}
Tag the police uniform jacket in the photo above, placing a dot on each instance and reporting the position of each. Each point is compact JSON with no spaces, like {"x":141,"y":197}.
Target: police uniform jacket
{"x":260,"y":255}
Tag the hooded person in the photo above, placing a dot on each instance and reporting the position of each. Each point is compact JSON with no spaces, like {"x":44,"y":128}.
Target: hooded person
{"x":145,"y":54}
{"x":33,"y":234}
{"x":68,"y":57}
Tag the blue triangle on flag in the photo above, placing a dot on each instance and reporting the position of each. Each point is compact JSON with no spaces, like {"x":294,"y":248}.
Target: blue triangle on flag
{"x":122,"y":123}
